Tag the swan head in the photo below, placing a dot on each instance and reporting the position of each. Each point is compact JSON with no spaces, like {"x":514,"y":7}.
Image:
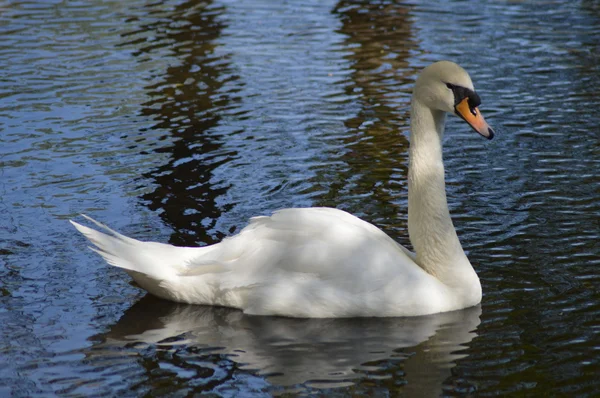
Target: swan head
{"x":446,"y":87}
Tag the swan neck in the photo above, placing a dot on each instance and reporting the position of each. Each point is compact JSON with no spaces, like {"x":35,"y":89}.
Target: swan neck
{"x":430,"y":227}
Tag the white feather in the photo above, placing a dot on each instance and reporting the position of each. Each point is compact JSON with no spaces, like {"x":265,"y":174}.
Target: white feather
{"x":323,"y":262}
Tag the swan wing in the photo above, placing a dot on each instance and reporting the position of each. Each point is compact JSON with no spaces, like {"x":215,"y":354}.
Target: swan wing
{"x":324,"y":242}
{"x":312,"y":262}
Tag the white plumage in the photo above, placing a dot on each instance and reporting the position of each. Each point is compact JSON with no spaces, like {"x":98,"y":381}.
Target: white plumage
{"x":324,"y":262}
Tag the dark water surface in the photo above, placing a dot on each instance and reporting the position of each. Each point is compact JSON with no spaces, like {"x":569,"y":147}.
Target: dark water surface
{"x":176,"y":121}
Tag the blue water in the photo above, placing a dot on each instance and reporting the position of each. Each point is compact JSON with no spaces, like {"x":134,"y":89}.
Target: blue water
{"x":176,"y":121}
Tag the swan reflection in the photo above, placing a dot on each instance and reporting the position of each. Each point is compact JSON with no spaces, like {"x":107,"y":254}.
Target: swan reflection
{"x":416,"y":351}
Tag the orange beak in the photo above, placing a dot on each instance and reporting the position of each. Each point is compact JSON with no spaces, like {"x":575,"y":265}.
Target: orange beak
{"x":474,"y":118}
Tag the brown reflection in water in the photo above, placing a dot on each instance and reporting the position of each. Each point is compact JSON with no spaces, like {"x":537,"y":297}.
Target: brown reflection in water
{"x":379,"y":40}
{"x":184,"y":103}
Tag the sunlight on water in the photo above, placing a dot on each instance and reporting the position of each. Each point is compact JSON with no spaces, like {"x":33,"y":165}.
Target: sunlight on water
{"x":176,"y":121}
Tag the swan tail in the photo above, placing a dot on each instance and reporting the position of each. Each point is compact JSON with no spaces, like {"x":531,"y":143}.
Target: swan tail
{"x":158,"y":261}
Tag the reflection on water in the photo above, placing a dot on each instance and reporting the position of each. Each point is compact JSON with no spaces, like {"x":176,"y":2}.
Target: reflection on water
{"x":380,"y":39}
{"x":186,"y":103}
{"x":325,"y":353}
{"x":178,"y":120}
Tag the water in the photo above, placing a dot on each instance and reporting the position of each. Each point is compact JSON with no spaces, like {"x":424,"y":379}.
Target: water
{"x":176,"y":121}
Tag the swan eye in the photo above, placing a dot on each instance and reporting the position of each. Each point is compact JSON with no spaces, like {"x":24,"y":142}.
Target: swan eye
{"x":450,"y":86}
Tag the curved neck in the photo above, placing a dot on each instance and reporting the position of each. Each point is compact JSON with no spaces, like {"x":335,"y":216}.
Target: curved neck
{"x":430,"y":227}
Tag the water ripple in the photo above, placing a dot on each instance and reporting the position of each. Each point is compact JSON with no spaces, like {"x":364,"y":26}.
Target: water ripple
{"x":177,"y":120}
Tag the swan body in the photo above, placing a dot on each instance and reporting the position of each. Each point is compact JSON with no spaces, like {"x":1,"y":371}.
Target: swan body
{"x":324,"y":262}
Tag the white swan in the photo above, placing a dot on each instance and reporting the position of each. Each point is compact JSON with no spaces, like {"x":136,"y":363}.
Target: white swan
{"x":323,"y":262}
